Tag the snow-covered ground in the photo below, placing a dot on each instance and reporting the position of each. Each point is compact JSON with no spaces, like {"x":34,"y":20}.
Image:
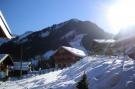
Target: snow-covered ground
{"x":102,"y":73}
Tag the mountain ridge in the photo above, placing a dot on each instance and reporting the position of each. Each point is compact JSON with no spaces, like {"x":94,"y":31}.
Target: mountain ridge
{"x":51,"y":38}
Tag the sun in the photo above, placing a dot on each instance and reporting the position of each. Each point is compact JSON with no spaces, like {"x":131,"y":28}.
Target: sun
{"x":121,"y":14}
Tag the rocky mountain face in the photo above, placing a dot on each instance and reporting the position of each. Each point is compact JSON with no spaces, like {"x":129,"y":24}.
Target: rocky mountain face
{"x":73,"y":33}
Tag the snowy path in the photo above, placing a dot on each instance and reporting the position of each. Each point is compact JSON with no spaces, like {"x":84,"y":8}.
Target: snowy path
{"x":102,"y":72}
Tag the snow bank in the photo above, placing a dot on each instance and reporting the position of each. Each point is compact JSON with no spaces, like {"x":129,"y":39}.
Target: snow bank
{"x":102,"y":73}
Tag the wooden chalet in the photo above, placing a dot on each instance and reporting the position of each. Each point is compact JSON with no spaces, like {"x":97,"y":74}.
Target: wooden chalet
{"x":102,"y":46}
{"x":5,"y":59}
{"x":5,"y":63}
{"x":65,"y":56}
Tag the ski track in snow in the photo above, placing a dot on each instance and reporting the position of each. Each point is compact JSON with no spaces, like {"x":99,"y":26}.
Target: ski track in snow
{"x":102,"y":73}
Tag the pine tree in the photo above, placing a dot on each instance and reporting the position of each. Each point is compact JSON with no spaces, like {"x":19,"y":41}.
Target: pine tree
{"x":82,"y":84}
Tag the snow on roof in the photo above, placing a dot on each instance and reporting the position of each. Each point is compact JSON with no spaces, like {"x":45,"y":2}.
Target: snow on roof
{"x":49,"y":54}
{"x":104,"y":40}
{"x":74,"y":51}
{"x":2,"y":57}
{"x":4,"y":26}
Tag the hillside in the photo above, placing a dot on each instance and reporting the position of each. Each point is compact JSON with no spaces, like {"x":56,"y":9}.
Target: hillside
{"x":126,"y":33}
{"x":74,"y":33}
{"x":102,"y":72}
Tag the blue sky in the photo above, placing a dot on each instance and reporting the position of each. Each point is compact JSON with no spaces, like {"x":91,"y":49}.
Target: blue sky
{"x":32,"y":15}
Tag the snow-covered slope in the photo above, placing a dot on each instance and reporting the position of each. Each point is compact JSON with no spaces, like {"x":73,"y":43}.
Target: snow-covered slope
{"x":22,"y":38}
{"x":102,"y":72}
{"x":76,"y":42}
{"x":24,"y":35}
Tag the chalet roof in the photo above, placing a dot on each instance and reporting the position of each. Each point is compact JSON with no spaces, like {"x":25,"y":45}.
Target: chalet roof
{"x":74,"y":51}
{"x":3,"y":57}
{"x":4,"y":26}
{"x":104,"y":40}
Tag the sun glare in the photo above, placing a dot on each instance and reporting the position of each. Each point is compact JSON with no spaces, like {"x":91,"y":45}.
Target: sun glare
{"x":121,"y":14}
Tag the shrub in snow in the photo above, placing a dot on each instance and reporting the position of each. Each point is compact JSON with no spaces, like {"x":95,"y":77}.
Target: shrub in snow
{"x":82,"y":84}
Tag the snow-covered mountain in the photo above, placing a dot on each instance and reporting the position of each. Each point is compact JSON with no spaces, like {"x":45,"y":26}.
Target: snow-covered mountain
{"x":24,"y":35}
{"x":102,"y":73}
{"x":22,"y":38}
{"x":75,"y":33}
